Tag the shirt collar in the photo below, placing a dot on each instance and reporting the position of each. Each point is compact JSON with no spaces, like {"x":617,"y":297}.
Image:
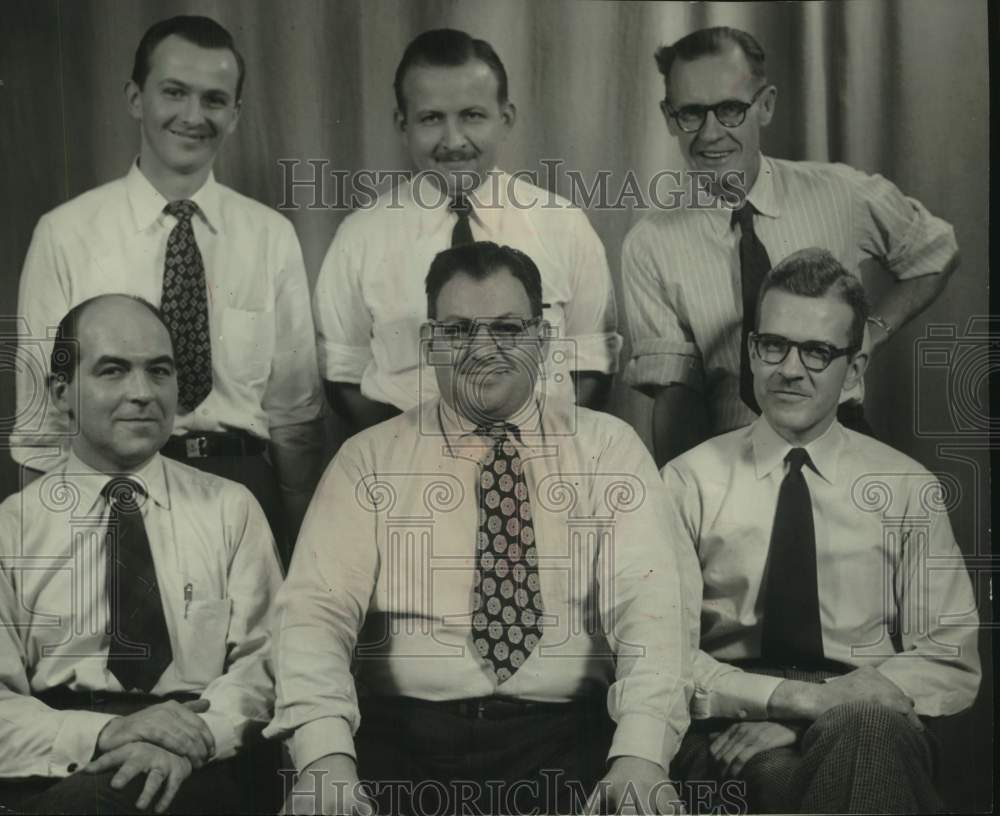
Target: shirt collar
{"x":147,"y":202}
{"x":90,"y":482}
{"x":770,"y":449}
{"x":763,"y":196}
{"x":488,"y":202}
{"x":458,"y":427}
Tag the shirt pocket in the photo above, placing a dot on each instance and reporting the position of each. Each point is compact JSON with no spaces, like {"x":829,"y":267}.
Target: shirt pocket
{"x":202,"y":645}
{"x":246,"y":346}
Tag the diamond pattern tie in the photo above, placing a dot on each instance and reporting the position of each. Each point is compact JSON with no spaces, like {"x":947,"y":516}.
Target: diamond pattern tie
{"x":754,"y":265}
{"x":140,"y":643}
{"x":462,"y":232}
{"x":792,"y":634}
{"x":507,"y":598}
{"x":184,"y":306}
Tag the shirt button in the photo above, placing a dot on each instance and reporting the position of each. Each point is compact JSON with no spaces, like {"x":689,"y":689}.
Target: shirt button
{"x":742,"y":714}
{"x":72,"y":767}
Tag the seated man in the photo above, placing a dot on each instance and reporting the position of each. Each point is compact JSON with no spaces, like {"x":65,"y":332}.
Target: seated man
{"x":135,"y":594}
{"x":479,"y":582}
{"x":825,"y":555}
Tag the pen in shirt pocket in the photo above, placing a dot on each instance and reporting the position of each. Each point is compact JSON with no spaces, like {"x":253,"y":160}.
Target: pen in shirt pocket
{"x":188,"y":594}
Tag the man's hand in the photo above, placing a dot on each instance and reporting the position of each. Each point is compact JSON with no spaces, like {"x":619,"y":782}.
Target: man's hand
{"x":329,"y":785}
{"x":868,"y":684}
{"x":164,"y":770}
{"x":173,"y":726}
{"x":634,"y":785}
{"x":741,"y":742}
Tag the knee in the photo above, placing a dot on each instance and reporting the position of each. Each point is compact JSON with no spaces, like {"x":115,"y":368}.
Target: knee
{"x":863,"y":721}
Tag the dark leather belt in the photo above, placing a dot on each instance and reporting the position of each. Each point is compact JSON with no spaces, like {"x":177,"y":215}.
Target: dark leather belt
{"x":485,"y":708}
{"x":203,"y":445}
{"x":63,"y":698}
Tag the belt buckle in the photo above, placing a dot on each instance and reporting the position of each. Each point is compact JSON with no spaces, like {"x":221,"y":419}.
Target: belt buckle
{"x":481,"y":709}
{"x":196,"y":447}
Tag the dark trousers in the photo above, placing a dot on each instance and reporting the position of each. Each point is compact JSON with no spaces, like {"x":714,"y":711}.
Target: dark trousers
{"x":855,"y":758}
{"x":247,"y":783}
{"x":257,"y":475}
{"x":431,"y":758}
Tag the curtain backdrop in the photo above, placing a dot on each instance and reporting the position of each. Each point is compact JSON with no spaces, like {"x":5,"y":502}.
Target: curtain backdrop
{"x":895,"y":87}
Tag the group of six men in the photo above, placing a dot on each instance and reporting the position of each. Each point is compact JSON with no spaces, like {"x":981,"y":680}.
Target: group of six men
{"x":496,"y":603}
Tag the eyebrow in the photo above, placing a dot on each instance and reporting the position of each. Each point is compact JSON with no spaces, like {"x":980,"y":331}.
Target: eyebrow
{"x":108,"y":359}
{"x":186,"y":87}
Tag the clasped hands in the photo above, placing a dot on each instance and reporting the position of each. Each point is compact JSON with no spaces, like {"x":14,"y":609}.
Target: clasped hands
{"x":165,"y":741}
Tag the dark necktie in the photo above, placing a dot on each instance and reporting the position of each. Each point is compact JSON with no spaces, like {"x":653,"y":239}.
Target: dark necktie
{"x":462,"y":232}
{"x":507,"y":597}
{"x":140,"y":643}
{"x":754,"y":265}
{"x":791,"y":634}
{"x":184,"y":306}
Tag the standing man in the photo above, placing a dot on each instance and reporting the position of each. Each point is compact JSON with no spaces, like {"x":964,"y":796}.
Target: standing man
{"x":453,"y":114}
{"x":226,"y":272}
{"x":135,"y":595}
{"x":825,"y":555}
{"x":691,"y":275}
{"x":482,"y":666}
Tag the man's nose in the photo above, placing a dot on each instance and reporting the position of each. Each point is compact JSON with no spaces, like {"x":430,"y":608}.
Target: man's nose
{"x":139,"y":387}
{"x":192,"y":112}
{"x":453,"y":137}
{"x":711,"y":128}
{"x":791,"y":367}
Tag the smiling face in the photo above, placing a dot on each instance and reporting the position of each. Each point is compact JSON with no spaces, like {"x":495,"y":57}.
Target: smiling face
{"x":125,"y":386}
{"x":709,"y":80}
{"x":484,"y":382}
{"x":453,"y":123}
{"x":186,"y":108}
{"x":801,"y":404}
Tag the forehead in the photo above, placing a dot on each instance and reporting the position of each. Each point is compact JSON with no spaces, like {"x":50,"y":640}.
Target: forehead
{"x":119,"y":327}
{"x":796,"y":317}
{"x":450,"y":87}
{"x":500,"y":293}
{"x":176,"y":58}
{"x":711,"y":78}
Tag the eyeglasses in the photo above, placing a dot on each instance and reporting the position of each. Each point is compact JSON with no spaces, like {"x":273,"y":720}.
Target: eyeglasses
{"x":504,"y":331}
{"x":814,"y":354}
{"x":729,"y":112}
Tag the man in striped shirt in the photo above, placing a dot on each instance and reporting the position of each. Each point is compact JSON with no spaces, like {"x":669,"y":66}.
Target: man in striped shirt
{"x":684,"y":268}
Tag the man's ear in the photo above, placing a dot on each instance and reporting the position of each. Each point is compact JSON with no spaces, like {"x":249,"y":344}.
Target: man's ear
{"x":57,"y":387}
{"x":133,"y":99}
{"x":508,"y":114}
{"x":237,"y":109}
{"x":768,"y":100}
{"x":671,"y":124}
{"x":856,"y":367}
{"x":399,"y":122}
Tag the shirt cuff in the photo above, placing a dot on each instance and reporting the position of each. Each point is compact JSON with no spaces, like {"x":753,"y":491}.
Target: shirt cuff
{"x":76,"y":740}
{"x":596,"y":352}
{"x":656,"y":362}
{"x":339,"y":363}
{"x":224,"y":734}
{"x":736,"y":695}
{"x":646,"y":737}
{"x":319,"y":738}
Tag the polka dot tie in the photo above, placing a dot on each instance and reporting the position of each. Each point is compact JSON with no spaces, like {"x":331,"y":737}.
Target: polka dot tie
{"x":507,"y":598}
{"x":184,"y":306}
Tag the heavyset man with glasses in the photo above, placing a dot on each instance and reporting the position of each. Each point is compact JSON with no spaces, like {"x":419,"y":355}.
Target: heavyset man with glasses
{"x":825,"y":555}
{"x":690,"y":275}
{"x":500,"y":567}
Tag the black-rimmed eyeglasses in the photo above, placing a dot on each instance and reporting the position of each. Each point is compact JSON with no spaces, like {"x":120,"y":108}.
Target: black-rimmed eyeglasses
{"x":504,"y":331}
{"x":729,"y":112}
{"x":814,"y":354}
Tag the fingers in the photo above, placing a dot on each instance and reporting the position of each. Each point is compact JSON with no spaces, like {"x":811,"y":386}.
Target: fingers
{"x":187,"y":713}
{"x":174,"y":780}
{"x":130,"y":768}
{"x":105,"y":762}
{"x":154,"y":778}
{"x":198,"y":706}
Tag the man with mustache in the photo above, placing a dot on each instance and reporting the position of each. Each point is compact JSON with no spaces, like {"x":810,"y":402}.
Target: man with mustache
{"x":825,"y":556}
{"x":691,"y":274}
{"x":226,"y":271}
{"x":479,"y":583}
{"x":135,"y":595}
{"x":453,"y":114}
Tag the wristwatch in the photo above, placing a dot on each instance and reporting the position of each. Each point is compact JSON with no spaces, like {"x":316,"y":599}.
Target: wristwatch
{"x":875,"y":320}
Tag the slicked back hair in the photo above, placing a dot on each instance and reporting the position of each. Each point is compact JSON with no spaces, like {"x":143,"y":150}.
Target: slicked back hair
{"x":479,"y":260}
{"x":447,"y":47}
{"x":708,"y":41}
{"x":816,"y":273}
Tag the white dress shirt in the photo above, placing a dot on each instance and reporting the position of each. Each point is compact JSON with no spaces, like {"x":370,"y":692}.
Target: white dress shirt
{"x":894,"y":591}
{"x":217,"y":571}
{"x":370,"y":301}
{"x":681,"y":269}
{"x":385,"y":564}
{"x":113,"y":239}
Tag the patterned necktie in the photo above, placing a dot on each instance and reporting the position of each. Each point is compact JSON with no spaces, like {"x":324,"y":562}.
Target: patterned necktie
{"x":140,"y":643}
{"x":507,"y":598}
{"x":184,"y":306}
{"x":754,"y":265}
{"x":792,"y":635}
{"x":462,"y":232}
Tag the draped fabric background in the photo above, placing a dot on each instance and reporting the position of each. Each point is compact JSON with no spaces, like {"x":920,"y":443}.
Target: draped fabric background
{"x":899,"y":88}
